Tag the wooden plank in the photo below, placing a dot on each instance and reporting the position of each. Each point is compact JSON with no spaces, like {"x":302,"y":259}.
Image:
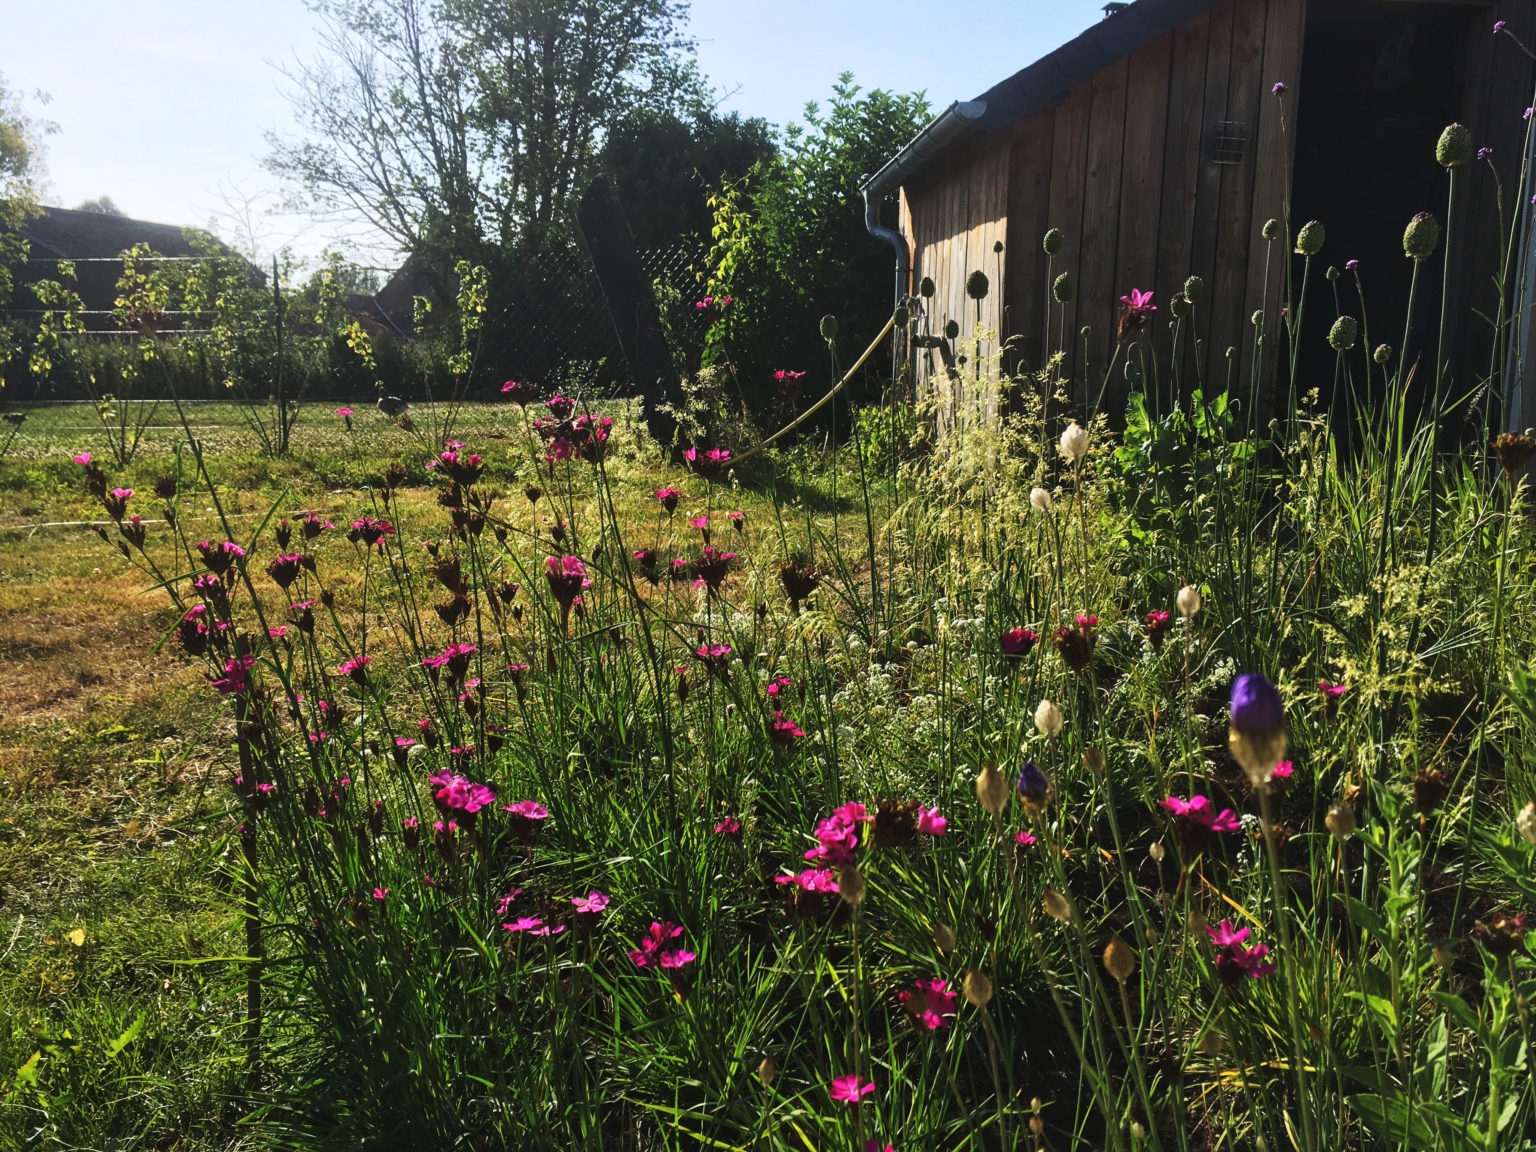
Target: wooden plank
{"x":1101,"y":216}
{"x":1069,"y":168}
{"x":1181,"y":170}
{"x":1234,"y":244}
{"x":1141,"y":185}
{"x":1029,"y":204}
{"x":1274,"y":144}
{"x":1218,"y":66}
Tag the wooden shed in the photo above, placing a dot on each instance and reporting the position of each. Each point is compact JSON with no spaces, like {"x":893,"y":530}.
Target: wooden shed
{"x":1157,"y":143}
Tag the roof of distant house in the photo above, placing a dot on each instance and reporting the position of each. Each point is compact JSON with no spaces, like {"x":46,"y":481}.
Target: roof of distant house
{"x":69,"y":234}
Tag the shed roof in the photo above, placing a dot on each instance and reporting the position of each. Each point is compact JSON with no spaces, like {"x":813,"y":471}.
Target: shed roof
{"x":69,"y":234}
{"x":1050,"y":78}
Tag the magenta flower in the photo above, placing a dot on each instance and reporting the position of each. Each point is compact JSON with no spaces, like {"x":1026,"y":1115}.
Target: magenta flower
{"x":356,"y":668}
{"x":560,"y":407}
{"x":560,"y":450}
{"x":592,"y":903}
{"x":928,"y":1003}
{"x":344,"y":413}
{"x":668,"y":497}
{"x":236,"y":678}
{"x":655,"y":951}
{"x":783,"y":732}
{"x":380,"y":893}
{"x":709,"y":464}
{"x":517,"y":392}
{"x":526,"y":818}
{"x":711,"y":567}
{"x":457,"y":794}
{"x":1195,"y":823}
{"x":370,"y":529}
{"x":506,"y":901}
{"x":567,"y":576}
{"x":716,"y":659}
{"x":811,"y":880}
{"x":278,"y":632}
{"x":220,"y":557}
{"x":839,"y":835}
{"x":1279,"y":88}
{"x":1233,"y":961}
{"x":737,"y":519}
{"x":699,"y":522}
{"x":531,"y":925}
{"x":453,"y":659}
{"x":285,"y":569}
{"x":83,"y":459}
{"x":1158,"y":623}
{"x":1499,"y":26}
{"x":930,"y":822}
{"x":850,"y":1088}
{"x":784,"y":376}
{"x":731,"y":827}
{"x":779,"y":686}
{"x":1025,"y":840}
{"x":1016,"y":643}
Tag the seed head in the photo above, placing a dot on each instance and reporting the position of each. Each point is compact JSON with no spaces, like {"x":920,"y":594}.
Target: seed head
{"x":1311,"y":238}
{"x":925,"y":288}
{"x":977,"y":988}
{"x":1157,"y":851}
{"x":1119,"y":960}
{"x":1455,"y":147}
{"x":1271,"y":229}
{"x":992,"y":789}
{"x":944,"y":939}
{"x":951,"y":329}
{"x":1188,"y":601}
{"x":1039,"y":499}
{"x":901,"y":318}
{"x":1383,"y":354}
{"x":1422,"y":237}
{"x":767,"y":1071}
{"x":1064,"y":289}
{"x":850,"y":884}
{"x":1345,"y":331}
{"x":976,"y":285}
{"x":828,"y":327}
{"x":1341,"y":821}
{"x":1048,"y":720}
{"x":1194,"y":289}
{"x":1257,"y":319}
{"x":1525,"y":821}
{"x":1056,"y":906}
{"x":1074,"y":442}
{"x":1093,"y":760}
{"x":997,"y":248}
{"x":1053,"y":241}
{"x":1178,"y":305}
{"x":1333,"y":273}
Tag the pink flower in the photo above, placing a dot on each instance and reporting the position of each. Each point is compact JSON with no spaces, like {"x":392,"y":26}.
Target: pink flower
{"x":930,"y":822}
{"x":1279,"y":88}
{"x":839,"y":835}
{"x":1135,"y":310}
{"x":850,"y":1088}
{"x":699,"y":522}
{"x":1233,"y":961}
{"x":524,"y":924}
{"x":527,"y":819}
{"x":929,"y":1003}
{"x":668,"y":497}
{"x":811,"y":880}
{"x":279,"y":632}
{"x":1196,"y":823}
{"x":654,"y":951}
{"x":236,"y":678}
{"x":784,"y":732}
{"x":567,"y":576}
{"x":460,"y":795}
{"x":592,"y":903}
{"x":731,"y":827}
{"x":370,"y":530}
{"x":1025,"y":840}
{"x":355,"y":668}
{"x":506,"y":901}
{"x":380,"y":893}
{"x":344,"y":412}
{"x":1016,"y":644}
{"x":779,"y":686}
{"x":83,"y":459}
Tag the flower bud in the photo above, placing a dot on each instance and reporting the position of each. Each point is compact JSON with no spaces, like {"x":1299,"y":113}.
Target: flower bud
{"x":1064,"y":289}
{"x":1345,"y":331}
{"x":925,"y":289}
{"x":1422,"y":237}
{"x":1053,"y":241}
{"x":1093,"y":760}
{"x":1039,"y":499}
{"x":1138,"y":1131}
{"x":1188,"y":601}
{"x":1074,"y":442}
{"x":976,"y":285}
{"x":901,"y":318}
{"x":1119,"y":960}
{"x":1257,"y":320}
{"x":1311,"y":238}
{"x":1383,"y":354}
{"x":1333,"y":273}
{"x":951,"y":329}
{"x":1197,"y":922}
{"x":1056,"y":906}
{"x":977,"y":988}
{"x":1048,"y":720}
{"x":1257,"y":737}
{"x":767,"y":1071}
{"x":828,"y":327}
{"x":1178,"y":305}
{"x":1194,"y":289}
{"x":992,"y":789}
{"x":1340,"y":821}
{"x":1157,"y":851}
{"x":1443,"y":956}
{"x":1455,"y":147}
{"x":1526,"y":823}
{"x":1271,"y":229}
{"x":944,"y":939}
{"x":850,"y":884}
{"x":997,"y":248}
{"x":1211,"y":1043}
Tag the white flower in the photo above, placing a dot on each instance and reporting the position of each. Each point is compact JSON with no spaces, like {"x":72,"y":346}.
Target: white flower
{"x":1526,"y":822}
{"x":1188,"y":601}
{"x":1074,"y":442}
{"x":1040,"y":499}
{"x":1048,"y":719}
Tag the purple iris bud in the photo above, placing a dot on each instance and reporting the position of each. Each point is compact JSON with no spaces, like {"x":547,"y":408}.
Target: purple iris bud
{"x":1352,"y":265}
{"x":1033,"y":783}
{"x":1499,"y":26}
{"x":1256,"y":706}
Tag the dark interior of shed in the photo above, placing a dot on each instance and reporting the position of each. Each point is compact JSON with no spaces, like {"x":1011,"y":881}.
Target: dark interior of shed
{"x":1380,"y":81}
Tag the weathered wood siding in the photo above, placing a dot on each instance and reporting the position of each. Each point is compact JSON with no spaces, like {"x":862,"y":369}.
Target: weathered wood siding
{"x":1125,"y":166}
{"x":955,"y":217}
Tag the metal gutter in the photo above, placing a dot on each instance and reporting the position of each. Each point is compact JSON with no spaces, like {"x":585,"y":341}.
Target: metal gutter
{"x":937,"y":134}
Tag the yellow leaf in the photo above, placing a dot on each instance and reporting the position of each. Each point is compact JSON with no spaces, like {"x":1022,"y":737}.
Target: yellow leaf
{"x":77,"y":937}
{"x":133,"y":828}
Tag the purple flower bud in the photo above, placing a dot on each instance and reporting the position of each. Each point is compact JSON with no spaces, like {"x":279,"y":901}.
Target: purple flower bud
{"x":1256,"y":706}
{"x":1484,"y":153}
{"x":1279,"y":89}
{"x":1529,"y":112}
{"x":1351,"y":266}
{"x":1033,"y":783}
{"x":1499,"y":26}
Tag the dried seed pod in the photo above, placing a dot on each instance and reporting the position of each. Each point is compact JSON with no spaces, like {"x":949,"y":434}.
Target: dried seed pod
{"x":992,"y":790}
{"x":1056,"y":906}
{"x":977,"y":988}
{"x":1119,"y":960}
{"x":944,"y":939}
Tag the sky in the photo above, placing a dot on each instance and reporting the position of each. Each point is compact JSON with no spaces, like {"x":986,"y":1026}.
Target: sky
{"x":163,"y":105}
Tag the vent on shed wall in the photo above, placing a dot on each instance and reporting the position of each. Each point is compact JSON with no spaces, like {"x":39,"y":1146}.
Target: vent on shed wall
{"x":1228,"y":143}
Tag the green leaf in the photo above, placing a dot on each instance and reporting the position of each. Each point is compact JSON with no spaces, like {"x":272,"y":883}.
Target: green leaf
{"x":1391,"y":1119}
{"x":130,"y":1034}
{"x":1367,"y":917}
{"x":1457,"y":1007}
{"x":27,"y":1073}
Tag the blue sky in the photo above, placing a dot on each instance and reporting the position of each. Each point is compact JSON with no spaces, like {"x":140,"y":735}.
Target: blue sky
{"x":162,"y":105}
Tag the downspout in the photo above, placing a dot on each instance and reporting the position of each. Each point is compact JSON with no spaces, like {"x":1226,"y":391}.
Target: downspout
{"x":938,"y":133}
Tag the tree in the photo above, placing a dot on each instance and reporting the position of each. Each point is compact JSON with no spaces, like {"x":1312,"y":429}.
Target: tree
{"x":790,"y":240}
{"x":103,"y":205}
{"x":463,"y":125}
{"x":665,"y":166}
{"x":21,"y":156}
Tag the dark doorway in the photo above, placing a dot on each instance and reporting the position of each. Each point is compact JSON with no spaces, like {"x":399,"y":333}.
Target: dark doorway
{"x":1380,"y":81}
